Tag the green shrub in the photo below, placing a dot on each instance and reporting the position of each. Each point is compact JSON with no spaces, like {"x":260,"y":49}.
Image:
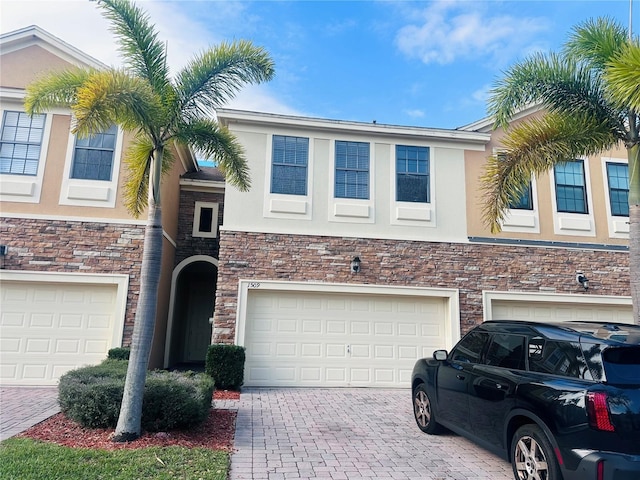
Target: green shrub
{"x":119,"y":353}
{"x":92,"y":396}
{"x":225,"y":364}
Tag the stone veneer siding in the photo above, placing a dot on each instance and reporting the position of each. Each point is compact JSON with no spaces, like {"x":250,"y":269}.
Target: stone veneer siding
{"x":470,"y":267}
{"x":82,"y":247}
{"x":187,"y":244}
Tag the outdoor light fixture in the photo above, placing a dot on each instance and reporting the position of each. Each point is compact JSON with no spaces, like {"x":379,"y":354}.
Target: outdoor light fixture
{"x":582,"y":280}
{"x":3,"y":250}
{"x":355,"y":265}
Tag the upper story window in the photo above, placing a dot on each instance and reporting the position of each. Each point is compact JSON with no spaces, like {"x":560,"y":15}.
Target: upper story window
{"x":524,"y":202}
{"x":412,"y":174}
{"x":21,"y":143}
{"x":205,"y":220}
{"x":571,"y":189}
{"x":289,"y":165}
{"x":618,"y":176}
{"x":352,"y":170}
{"x":93,"y":156}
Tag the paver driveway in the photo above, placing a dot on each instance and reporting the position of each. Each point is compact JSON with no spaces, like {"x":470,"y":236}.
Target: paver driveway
{"x":347,"y":434}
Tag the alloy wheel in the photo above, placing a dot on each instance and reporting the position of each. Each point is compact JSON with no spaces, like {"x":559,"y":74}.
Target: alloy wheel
{"x":422,"y":409}
{"x":530,"y":460}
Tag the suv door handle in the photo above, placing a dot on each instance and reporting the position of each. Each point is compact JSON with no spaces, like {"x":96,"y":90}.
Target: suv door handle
{"x":460,"y":377}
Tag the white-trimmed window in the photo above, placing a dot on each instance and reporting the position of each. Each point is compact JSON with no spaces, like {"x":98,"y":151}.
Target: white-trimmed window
{"x":21,"y":143}
{"x":412,"y":174}
{"x":352,"y":170}
{"x":571,"y":187}
{"x":93,"y":156}
{"x":618,"y":181}
{"x":205,"y":220}
{"x":289,"y":160}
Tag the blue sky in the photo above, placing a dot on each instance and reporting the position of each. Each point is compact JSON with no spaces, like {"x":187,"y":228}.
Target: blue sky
{"x":418,"y":63}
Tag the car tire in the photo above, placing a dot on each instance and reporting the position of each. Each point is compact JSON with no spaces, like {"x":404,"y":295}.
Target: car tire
{"x":532,"y":456}
{"x":423,"y":411}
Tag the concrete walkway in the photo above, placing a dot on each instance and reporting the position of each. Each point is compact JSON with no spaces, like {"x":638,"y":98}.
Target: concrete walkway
{"x":347,"y":434}
{"x":23,"y":407}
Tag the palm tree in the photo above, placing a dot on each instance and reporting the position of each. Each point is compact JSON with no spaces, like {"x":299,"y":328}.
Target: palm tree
{"x":161,"y":112}
{"x":586,"y":112}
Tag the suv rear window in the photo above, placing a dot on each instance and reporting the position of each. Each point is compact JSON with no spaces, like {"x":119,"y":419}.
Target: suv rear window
{"x":622,"y":365}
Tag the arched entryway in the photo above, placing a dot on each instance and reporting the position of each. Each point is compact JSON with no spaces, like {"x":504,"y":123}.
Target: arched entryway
{"x":191,"y":306}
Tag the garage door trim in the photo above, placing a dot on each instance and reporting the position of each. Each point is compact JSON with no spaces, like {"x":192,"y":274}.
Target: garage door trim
{"x":489,"y":297}
{"x":450,"y":295}
{"x":121,"y":280}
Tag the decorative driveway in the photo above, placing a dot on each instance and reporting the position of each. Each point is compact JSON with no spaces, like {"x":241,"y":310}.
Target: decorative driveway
{"x":286,"y":433}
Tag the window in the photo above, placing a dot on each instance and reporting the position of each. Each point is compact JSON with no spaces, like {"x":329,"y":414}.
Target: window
{"x":557,"y":358}
{"x":470,"y":348}
{"x":571,"y":190}
{"x":21,"y":143}
{"x":506,"y":351}
{"x":412,"y":174}
{"x":289,"y":165}
{"x":205,"y":220}
{"x":524,"y":202}
{"x":93,"y":156}
{"x":618,"y":176}
{"x":352,"y":170}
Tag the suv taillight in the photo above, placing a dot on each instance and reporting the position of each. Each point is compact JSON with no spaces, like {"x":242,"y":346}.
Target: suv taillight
{"x":598,"y":411}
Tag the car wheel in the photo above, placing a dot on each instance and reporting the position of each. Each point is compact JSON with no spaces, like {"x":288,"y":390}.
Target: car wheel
{"x":532,"y":455}
{"x":423,"y":411}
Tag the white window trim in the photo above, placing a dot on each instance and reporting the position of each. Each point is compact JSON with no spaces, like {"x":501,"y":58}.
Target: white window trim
{"x":25,"y":188}
{"x":214,"y":220}
{"x":524,"y":221}
{"x":412,"y":213}
{"x":618,"y":226}
{"x":279,"y":205}
{"x":351,"y":210}
{"x":575,"y":224}
{"x":90,"y":193}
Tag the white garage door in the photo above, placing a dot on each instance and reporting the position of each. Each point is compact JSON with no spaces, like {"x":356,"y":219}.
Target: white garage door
{"x":50,"y":328}
{"x":332,"y":339}
{"x":559,"y":312}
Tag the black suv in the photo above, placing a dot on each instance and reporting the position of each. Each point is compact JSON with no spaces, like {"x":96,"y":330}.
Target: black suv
{"x":557,"y":400}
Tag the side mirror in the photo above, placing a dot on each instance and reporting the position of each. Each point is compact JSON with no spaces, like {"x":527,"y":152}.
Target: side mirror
{"x":440,"y":355}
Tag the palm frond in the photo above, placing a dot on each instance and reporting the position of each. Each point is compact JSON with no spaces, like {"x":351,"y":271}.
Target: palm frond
{"x":113,"y":96}
{"x":142,"y":52}
{"x":596,"y":41}
{"x":217,"y":143}
{"x":137,"y":160}
{"x":532,"y":148}
{"x":215,"y":76}
{"x":57,"y":89}
{"x":558,"y":83}
{"x":623,"y":76}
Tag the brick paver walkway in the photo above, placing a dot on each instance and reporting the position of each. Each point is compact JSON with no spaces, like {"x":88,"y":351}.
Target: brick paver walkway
{"x":22,"y":407}
{"x":347,"y":434}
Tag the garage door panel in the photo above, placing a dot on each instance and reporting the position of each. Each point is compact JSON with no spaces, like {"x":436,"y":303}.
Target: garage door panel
{"x":48,"y":329}
{"x":537,"y":311}
{"x":358,"y":340}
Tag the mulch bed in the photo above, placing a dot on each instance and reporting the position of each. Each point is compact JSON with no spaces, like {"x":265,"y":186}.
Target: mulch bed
{"x":216,"y":432}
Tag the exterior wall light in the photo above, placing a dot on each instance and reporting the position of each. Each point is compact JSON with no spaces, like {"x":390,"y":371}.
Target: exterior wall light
{"x":3,"y":250}
{"x":355,"y":265}
{"x":582,"y":280}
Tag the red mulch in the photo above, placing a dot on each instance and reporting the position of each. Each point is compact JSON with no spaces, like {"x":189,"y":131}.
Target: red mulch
{"x":215,"y":433}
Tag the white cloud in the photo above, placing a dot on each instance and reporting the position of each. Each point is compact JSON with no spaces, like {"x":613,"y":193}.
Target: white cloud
{"x":447,"y":31}
{"x":80,"y":23}
{"x":415,"y":113}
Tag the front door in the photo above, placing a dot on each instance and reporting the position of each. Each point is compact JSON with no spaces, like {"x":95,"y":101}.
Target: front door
{"x":199,"y":309}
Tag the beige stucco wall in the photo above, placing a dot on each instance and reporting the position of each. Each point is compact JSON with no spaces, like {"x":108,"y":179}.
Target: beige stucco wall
{"x":20,"y":68}
{"x":597,"y":191}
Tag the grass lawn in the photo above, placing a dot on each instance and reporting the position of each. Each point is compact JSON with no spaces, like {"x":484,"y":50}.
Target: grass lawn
{"x":26,"y":459}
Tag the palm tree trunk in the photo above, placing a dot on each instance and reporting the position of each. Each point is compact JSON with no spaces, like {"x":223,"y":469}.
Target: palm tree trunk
{"x":129,"y":421}
{"x":633,"y":153}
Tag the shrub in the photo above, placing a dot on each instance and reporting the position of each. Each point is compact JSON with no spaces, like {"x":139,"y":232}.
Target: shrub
{"x":225,"y":363}
{"x":119,"y":353}
{"x":92,"y":396}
